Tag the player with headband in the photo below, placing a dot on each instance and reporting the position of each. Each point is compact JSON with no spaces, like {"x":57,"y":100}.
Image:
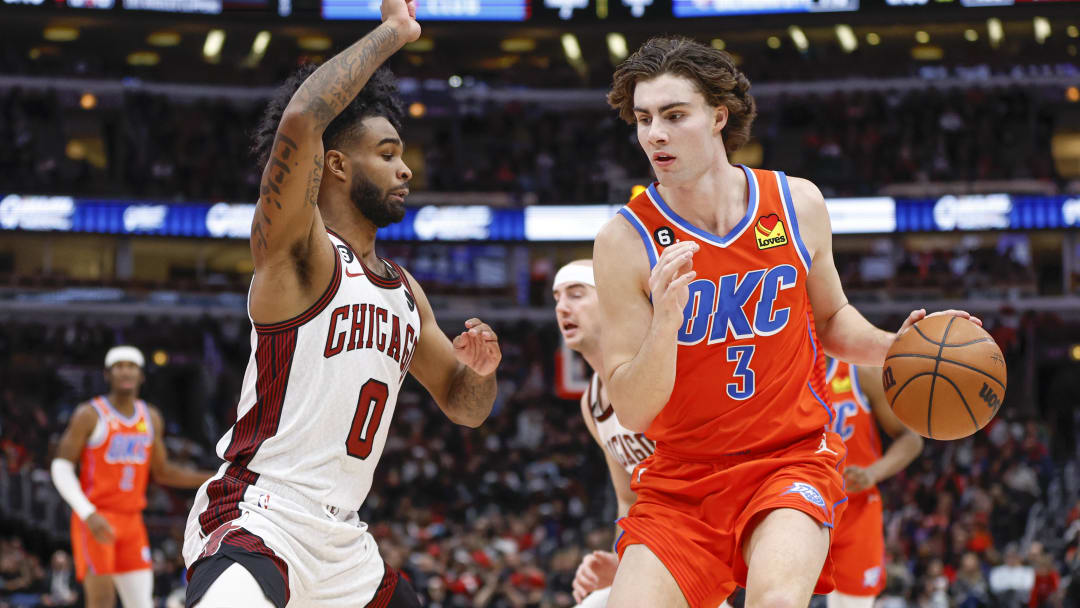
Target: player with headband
{"x":578,"y":312}
{"x":117,"y":439}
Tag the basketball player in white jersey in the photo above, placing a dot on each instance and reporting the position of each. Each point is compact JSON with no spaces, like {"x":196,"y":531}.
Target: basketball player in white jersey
{"x":577,"y":310}
{"x":335,"y":329}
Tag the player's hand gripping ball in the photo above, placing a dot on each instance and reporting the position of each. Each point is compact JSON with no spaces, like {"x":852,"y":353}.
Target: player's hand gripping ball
{"x":944,"y":377}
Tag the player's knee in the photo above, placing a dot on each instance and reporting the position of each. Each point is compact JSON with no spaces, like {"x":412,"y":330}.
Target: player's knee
{"x":99,"y":593}
{"x":778,"y":598}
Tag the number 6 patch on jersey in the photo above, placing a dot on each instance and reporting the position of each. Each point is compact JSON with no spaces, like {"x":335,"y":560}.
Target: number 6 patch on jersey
{"x":664,"y":236}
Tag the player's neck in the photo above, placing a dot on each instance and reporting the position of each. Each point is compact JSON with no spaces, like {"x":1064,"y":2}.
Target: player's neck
{"x":358,"y":232}
{"x":123,"y":401}
{"x":595,"y":359}
{"x":712,"y":201}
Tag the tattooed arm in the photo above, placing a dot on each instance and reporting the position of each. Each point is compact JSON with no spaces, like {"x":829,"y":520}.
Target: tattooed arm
{"x":460,"y":375}
{"x":293,"y":257}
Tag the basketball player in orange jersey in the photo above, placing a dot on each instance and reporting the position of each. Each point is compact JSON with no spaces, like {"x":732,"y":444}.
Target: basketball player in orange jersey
{"x":335,"y":330}
{"x":117,"y":440}
{"x":858,"y":545}
{"x":710,"y":282}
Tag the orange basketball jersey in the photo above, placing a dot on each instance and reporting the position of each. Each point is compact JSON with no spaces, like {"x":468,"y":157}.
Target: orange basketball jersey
{"x":116,"y":466}
{"x":854,"y":420}
{"x":858,"y":545}
{"x":750,"y":375}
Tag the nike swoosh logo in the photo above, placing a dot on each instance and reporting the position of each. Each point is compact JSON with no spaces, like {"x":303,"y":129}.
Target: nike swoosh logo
{"x":350,"y":274}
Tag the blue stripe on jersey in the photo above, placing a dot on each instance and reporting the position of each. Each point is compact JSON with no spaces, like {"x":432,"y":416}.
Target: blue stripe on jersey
{"x":708,"y":237}
{"x":856,"y":390}
{"x":789,"y":207}
{"x":644,"y":234}
{"x":808,"y":384}
{"x":830,"y":370}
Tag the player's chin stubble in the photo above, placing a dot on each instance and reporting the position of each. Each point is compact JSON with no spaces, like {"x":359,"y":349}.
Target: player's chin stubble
{"x":376,"y":205}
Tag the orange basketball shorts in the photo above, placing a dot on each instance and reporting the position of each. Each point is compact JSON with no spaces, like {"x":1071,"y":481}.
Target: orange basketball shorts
{"x":130,"y":552}
{"x":858,"y":547}
{"x":694,"y":516}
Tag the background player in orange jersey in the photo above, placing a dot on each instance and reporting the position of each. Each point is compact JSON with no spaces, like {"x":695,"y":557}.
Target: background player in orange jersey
{"x":117,"y":439}
{"x":710,"y":282}
{"x":858,"y":544}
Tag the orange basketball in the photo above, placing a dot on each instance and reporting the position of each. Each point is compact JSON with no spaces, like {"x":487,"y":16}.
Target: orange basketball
{"x":945,"y":377}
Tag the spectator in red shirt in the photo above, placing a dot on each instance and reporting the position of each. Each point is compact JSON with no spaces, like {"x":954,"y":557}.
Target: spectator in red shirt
{"x":1047,"y":581}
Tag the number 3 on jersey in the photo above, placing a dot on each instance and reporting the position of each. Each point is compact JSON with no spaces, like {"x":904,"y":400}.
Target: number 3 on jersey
{"x":127,"y":481}
{"x":366,"y":420}
{"x":743,"y":387}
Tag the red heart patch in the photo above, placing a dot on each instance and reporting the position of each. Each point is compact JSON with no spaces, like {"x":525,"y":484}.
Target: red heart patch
{"x":768,"y":222}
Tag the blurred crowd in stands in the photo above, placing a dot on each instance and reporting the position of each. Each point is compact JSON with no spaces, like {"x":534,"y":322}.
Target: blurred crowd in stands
{"x":475,"y":54}
{"x":499,"y":517}
{"x":854,"y":143}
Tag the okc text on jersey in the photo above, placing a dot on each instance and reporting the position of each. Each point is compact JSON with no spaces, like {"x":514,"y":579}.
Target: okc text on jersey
{"x":127,"y":448}
{"x":717,"y":308}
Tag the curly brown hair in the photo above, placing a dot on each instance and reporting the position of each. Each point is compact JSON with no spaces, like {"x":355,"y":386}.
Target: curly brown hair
{"x":377,"y":98}
{"x":712,"y":71}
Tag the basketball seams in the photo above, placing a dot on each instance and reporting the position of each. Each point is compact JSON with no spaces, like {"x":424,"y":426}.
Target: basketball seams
{"x":962,"y":400}
{"x":951,"y":361}
{"x":909,"y":381}
{"x":942,"y":343}
{"x":933,"y":381}
{"x":967,"y":343}
{"x":927,"y":338}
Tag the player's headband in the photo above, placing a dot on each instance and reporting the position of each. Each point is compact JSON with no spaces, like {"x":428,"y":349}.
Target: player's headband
{"x":130,"y":354}
{"x":574,"y":273}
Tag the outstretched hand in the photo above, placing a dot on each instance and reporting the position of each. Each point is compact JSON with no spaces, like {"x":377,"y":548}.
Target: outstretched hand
{"x":597,"y":571}
{"x":919,"y":315}
{"x":403,"y":13}
{"x":478,"y":347}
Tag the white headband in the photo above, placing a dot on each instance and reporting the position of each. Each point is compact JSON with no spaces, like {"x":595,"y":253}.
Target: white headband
{"x":574,"y":273}
{"x":117,"y":354}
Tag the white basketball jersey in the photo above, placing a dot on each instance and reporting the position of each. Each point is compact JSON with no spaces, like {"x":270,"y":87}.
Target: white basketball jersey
{"x":625,"y":446}
{"x":320,"y":389}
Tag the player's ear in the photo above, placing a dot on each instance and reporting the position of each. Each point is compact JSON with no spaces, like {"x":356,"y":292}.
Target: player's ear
{"x":336,"y":165}
{"x":720,"y":118}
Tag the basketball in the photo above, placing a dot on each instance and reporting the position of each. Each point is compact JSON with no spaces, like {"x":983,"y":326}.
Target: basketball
{"x":945,"y":377}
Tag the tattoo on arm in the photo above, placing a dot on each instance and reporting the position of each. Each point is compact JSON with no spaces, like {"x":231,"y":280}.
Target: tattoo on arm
{"x":312,"y":196}
{"x":334,"y":85}
{"x":282,"y":161}
{"x":259,"y":236}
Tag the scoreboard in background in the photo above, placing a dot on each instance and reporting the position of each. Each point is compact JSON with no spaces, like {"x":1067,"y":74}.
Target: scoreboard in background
{"x":541,"y":12}
{"x":191,"y":7}
{"x":433,"y":10}
{"x":721,"y":8}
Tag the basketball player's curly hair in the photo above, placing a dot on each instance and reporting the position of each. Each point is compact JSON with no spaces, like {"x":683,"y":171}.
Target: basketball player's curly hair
{"x":712,"y":71}
{"x":377,"y":98}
